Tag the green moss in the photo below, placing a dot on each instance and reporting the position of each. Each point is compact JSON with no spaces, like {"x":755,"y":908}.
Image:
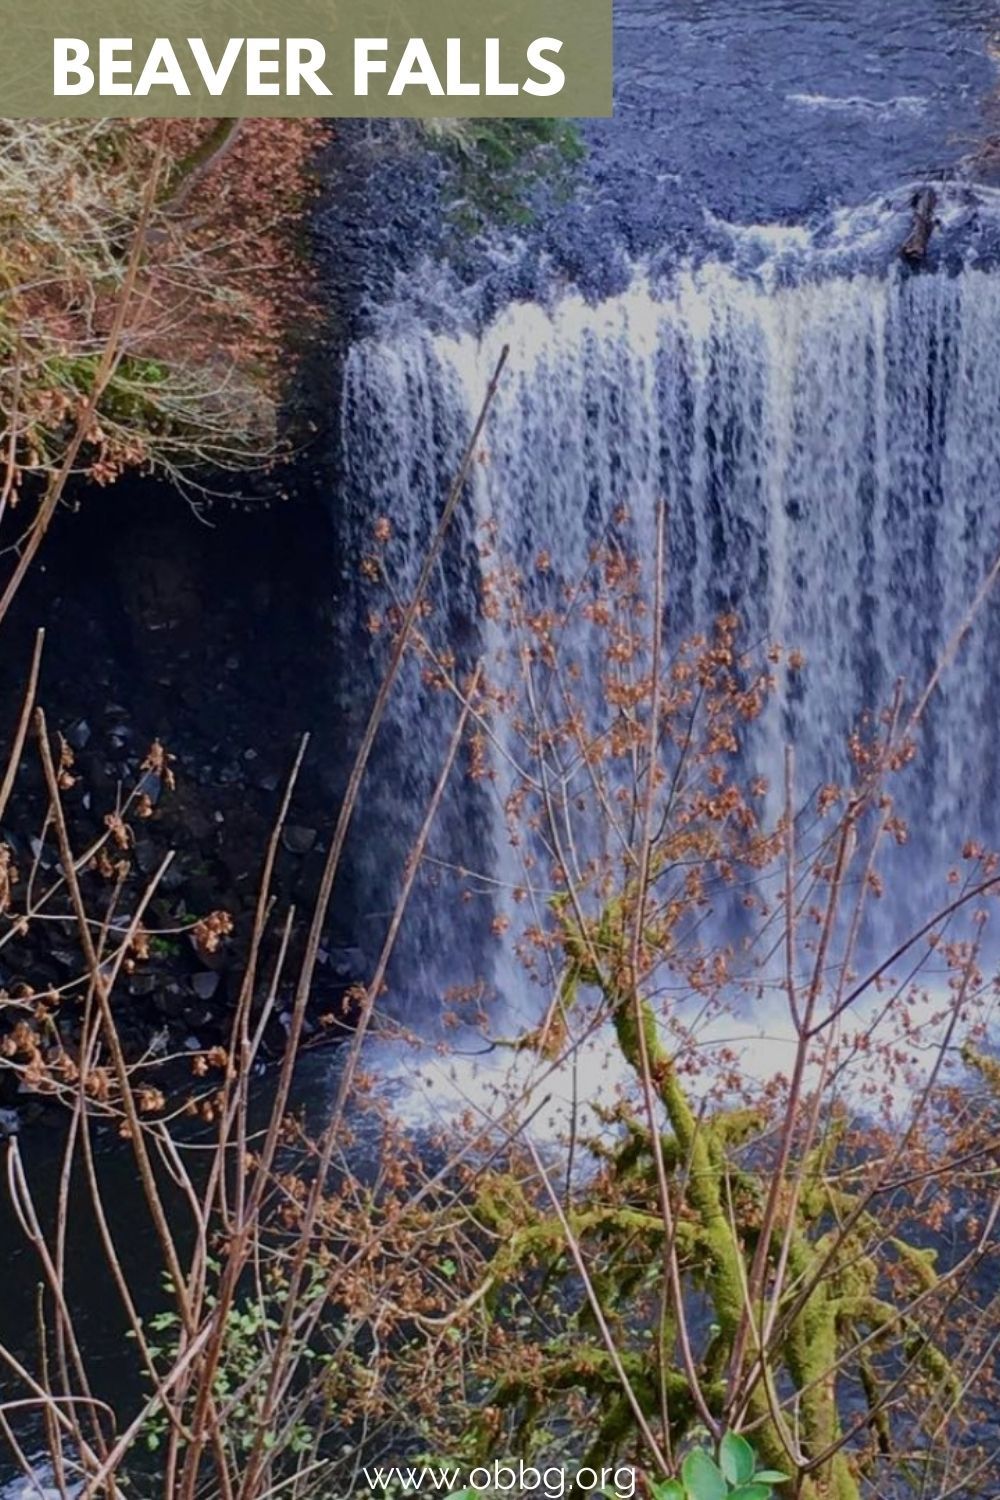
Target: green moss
{"x":498,"y":166}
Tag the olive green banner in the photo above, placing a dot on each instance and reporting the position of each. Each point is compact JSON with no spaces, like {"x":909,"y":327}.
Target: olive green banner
{"x":90,"y":59}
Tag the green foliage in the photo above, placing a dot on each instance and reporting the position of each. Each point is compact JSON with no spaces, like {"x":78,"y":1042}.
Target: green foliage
{"x":702,"y":1477}
{"x":736,"y":1459}
{"x":499,"y":165}
{"x":734,"y":1476}
{"x":164,"y":947}
{"x":241,"y":1377}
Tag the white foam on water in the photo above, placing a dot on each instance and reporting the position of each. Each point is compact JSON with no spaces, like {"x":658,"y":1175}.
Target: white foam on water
{"x":440,"y":1088}
{"x":858,"y":104}
{"x":41,"y":1486}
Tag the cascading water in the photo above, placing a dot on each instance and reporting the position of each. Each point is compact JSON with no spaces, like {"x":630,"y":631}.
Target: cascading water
{"x":827,"y":441}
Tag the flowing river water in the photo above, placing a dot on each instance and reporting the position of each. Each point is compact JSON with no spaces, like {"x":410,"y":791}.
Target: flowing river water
{"x":719,"y":318}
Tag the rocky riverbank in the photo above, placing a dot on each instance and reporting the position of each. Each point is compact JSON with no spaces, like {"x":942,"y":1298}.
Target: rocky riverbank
{"x":208,"y":632}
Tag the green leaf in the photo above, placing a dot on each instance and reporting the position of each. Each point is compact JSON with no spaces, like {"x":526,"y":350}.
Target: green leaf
{"x":703,"y":1478}
{"x":668,"y":1489}
{"x":770,"y":1476}
{"x":737,"y":1459}
{"x":751,"y":1492}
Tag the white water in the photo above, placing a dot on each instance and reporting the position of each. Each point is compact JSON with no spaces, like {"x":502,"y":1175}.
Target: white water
{"x":436,"y":1089}
{"x":829,"y":449}
{"x":880,"y":109}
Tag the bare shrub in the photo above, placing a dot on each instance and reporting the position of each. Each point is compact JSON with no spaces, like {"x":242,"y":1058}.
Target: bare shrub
{"x":804,"y":1253}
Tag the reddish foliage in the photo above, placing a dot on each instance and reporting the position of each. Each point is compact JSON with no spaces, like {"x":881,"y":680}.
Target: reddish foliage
{"x":242,"y":211}
{"x":155,"y":268}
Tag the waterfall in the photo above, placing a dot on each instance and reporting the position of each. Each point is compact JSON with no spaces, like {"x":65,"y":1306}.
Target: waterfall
{"x":829,"y":451}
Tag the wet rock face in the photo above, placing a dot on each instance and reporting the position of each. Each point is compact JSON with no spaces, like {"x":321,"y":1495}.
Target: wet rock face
{"x":214,"y":640}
